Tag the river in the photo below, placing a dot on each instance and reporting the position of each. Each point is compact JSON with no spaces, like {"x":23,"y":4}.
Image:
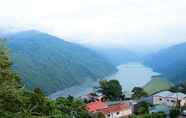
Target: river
{"x":129,"y":75}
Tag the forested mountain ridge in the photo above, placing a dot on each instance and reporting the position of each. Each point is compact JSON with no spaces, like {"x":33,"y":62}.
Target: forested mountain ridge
{"x":51,"y":63}
{"x":18,"y":102}
{"x":170,"y":61}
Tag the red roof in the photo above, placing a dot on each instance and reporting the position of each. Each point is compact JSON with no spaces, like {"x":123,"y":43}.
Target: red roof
{"x":94,"y":106}
{"x":114,"y":108}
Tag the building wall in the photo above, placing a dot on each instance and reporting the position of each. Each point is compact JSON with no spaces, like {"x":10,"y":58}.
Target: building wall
{"x":169,"y":101}
{"x":183,"y":102}
{"x":120,"y":114}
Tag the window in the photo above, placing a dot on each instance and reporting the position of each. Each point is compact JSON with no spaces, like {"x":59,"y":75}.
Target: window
{"x":117,"y":113}
{"x":172,"y":101}
{"x":167,"y":100}
{"x":160,"y":99}
{"x":108,"y":115}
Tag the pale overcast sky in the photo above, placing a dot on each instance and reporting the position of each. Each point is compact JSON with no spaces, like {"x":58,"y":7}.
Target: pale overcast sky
{"x":134,"y":24}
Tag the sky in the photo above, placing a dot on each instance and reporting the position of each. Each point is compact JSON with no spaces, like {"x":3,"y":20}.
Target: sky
{"x":139,"y":25}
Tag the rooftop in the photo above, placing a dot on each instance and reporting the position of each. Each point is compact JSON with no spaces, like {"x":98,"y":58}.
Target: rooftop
{"x":94,"y":106}
{"x":171,"y":94}
{"x":114,"y":108}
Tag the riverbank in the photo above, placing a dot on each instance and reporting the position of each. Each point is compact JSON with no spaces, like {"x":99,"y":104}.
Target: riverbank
{"x":129,"y":75}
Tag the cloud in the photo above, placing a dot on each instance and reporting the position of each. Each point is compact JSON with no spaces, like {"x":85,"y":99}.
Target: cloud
{"x":141,"y":24}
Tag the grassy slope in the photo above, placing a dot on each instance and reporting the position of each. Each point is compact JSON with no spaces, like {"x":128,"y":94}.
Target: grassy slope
{"x":156,"y":85}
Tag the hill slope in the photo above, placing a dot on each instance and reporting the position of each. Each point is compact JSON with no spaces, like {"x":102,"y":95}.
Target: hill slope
{"x":157,"y":84}
{"x":52,"y":64}
{"x":171,"y":62}
{"x":118,"y":56}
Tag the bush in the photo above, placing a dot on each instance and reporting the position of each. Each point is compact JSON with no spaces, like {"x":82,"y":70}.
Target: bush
{"x":174,"y":113}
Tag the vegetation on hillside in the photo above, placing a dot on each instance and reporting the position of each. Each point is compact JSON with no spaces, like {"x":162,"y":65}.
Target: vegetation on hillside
{"x":156,"y":85}
{"x":17,"y":102}
{"x":53,"y":64}
{"x":170,"y":61}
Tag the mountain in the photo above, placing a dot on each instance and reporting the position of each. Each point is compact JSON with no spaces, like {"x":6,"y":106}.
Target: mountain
{"x":151,"y":87}
{"x":118,"y":56}
{"x":52,"y":64}
{"x":170,"y":61}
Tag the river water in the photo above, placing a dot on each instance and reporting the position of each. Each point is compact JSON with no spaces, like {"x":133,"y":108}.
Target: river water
{"x":129,"y":75}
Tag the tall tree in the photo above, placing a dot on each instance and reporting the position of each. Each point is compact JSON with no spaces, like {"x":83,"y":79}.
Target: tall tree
{"x":9,"y":83}
{"x":111,"y":89}
{"x":138,"y":92}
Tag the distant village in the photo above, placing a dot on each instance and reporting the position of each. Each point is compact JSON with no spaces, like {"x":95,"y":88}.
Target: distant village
{"x":162,"y":104}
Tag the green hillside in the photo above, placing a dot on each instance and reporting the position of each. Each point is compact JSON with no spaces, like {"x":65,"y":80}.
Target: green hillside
{"x":51,"y":63}
{"x":171,"y":62}
{"x":157,"y":84}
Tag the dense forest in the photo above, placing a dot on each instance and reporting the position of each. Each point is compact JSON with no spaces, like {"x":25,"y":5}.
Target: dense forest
{"x":18,"y":102}
{"x":53,"y":64}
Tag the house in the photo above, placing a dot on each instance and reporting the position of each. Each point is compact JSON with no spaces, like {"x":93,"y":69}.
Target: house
{"x":167,"y":98}
{"x":95,"y":106}
{"x":119,"y":110}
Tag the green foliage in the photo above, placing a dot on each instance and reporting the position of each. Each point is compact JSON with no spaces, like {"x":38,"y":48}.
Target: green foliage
{"x":151,"y":87}
{"x":110,"y":89}
{"x":16,"y":102}
{"x":179,"y":88}
{"x":174,"y":113}
{"x":9,"y":83}
{"x":152,"y":115}
{"x":159,"y":115}
{"x":138,"y":93}
{"x":52,"y":64}
{"x":142,"y":108}
{"x":171,"y":62}
{"x":98,"y":115}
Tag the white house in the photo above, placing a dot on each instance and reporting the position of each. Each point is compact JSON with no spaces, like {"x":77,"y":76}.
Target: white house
{"x":167,"y":98}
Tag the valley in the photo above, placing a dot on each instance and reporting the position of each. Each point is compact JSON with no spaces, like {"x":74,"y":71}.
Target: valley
{"x":129,"y":75}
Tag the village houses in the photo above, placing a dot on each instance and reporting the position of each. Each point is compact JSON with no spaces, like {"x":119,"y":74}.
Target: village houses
{"x":119,"y":110}
{"x":167,"y":98}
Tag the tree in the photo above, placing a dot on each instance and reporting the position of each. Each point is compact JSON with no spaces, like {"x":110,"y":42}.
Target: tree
{"x":9,"y":83}
{"x":158,"y":115}
{"x":17,"y":102}
{"x":110,"y":89}
{"x":138,"y":93}
{"x":99,"y":115}
{"x":141,"y":108}
{"x":174,"y":112}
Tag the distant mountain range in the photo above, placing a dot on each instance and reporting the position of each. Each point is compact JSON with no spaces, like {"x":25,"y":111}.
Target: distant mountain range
{"x":170,"y":61}
{"x":118,"y":56}
{"x":51,"y":63}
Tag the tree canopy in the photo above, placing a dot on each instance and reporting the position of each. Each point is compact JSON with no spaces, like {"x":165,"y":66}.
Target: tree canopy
{"x":111,"y":89}
{"x":17,"y":102}
{"x":138,"y":92}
